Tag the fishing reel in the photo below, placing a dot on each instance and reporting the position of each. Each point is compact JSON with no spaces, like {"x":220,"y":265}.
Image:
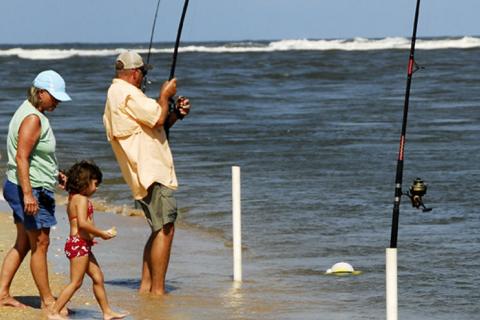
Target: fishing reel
{"x":417,"y":190}
{"x":175,"y":104}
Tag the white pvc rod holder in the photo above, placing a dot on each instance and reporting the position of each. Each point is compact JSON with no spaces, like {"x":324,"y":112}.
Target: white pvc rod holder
{"x":237,"y":224}
{"x":391,"y":283}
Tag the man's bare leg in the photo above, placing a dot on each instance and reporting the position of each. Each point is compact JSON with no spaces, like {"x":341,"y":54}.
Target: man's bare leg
{"x":146,"y":283}
{"x":160,"y":257}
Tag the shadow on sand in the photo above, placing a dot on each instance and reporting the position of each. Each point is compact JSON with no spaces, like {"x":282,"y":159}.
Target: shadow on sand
{"x":134,"y":284}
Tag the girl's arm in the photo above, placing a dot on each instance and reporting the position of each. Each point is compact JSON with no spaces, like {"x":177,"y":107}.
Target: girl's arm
{"x":28,"y":135}
{"x":81,"y":208}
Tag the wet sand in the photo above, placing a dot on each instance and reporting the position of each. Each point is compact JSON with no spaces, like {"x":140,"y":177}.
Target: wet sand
{"x":83,"y":303}
{"x":199,"y":280}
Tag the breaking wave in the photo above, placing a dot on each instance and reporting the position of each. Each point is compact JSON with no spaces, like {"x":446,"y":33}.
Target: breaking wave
{"x":356,"y":44}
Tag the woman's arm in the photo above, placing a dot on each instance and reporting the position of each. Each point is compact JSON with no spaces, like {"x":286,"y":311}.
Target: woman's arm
{"x":28,"y":136}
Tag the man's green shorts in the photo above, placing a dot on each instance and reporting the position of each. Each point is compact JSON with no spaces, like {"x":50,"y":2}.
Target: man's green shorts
{"x":159,"y":206}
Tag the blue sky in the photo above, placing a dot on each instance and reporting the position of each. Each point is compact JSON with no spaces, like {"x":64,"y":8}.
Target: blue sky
{"x":57,"y":21}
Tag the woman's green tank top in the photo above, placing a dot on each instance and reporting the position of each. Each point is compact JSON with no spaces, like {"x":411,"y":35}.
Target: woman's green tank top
{"x":43,"y":162}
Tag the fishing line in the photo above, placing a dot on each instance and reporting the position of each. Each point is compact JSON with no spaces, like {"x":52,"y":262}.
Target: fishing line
{"x":175,"y":52}
{"x":145,"y":81}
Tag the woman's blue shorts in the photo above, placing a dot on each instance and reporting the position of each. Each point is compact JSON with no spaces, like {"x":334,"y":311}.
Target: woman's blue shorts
{"x":44,"y":218}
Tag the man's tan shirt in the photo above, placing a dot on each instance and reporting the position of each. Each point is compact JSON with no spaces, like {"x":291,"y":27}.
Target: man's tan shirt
{"x":142,"y":151}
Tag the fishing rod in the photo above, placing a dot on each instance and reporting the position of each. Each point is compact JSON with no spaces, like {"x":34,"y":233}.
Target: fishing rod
{"x":418,"y":188}
{"x":172,"y":102}
{"x":177,"y":42}
{"x":175,"y":52}
{"x":145,"y":81}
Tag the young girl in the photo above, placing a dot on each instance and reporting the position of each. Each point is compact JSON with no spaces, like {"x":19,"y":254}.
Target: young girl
{"x":83,"y":179}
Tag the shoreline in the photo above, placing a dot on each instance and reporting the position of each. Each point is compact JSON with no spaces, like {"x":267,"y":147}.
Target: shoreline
{"x":199,"y":280}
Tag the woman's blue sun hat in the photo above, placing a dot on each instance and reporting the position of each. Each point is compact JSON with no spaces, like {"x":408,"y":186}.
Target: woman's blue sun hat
{"x":52,"y":82}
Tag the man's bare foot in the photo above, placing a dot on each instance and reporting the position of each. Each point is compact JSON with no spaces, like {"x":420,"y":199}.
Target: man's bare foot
{"x":158,"y":293}
{"x":143,"y":291}
{"x":145,"y":287}
{"x":115,"y":315}
{"x":10,"y":301}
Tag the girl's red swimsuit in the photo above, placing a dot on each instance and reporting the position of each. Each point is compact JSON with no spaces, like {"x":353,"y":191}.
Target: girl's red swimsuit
{"x":75,"y":245}
{"x":78,"y":247}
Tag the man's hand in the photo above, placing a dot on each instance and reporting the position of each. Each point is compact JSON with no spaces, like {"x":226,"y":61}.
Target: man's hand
{"x":168,"y":89}
{"x":183,"y":105}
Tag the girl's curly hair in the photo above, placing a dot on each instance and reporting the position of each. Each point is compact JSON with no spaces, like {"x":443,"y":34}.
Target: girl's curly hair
{"x":80,"y":175}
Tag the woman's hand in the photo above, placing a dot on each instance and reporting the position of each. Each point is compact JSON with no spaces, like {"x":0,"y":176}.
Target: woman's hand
{"x":30,"y":204}
{"x":62,"y":179}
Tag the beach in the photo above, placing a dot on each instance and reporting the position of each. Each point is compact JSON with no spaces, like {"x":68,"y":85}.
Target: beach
{"x":314,"y":126}
{"x":23,"y":287}
{"x":199,"y":281}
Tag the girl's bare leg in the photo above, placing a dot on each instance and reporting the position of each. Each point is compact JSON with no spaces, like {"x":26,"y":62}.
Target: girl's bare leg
{"x":78,"y":268}
{"x":96,"y":274}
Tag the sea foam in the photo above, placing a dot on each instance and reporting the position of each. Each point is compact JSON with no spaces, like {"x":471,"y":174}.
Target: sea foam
{"x":356,"y":44}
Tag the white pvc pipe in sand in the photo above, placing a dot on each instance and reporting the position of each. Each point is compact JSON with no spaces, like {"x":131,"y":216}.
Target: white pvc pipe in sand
{"x":391,"y":283}
{"x":237,"y":225}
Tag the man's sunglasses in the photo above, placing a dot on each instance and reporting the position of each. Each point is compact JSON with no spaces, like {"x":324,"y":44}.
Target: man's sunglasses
{"x":143,"y":71}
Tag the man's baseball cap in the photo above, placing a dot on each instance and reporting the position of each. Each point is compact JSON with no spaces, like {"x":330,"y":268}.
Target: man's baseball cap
{"x":131,"y":60}
{"x":52,"y":82}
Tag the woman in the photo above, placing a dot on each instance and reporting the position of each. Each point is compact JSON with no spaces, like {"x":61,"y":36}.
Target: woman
{"x":32,"y":173}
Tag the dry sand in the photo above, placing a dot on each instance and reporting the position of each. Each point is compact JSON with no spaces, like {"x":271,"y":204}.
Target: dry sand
{"x":23,"y":288}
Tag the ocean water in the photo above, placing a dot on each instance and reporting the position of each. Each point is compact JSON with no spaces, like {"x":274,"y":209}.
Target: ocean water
{"x":314,"y":126}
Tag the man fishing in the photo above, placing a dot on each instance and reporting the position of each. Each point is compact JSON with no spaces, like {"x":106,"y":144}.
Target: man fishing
{"x":135,"y":125}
